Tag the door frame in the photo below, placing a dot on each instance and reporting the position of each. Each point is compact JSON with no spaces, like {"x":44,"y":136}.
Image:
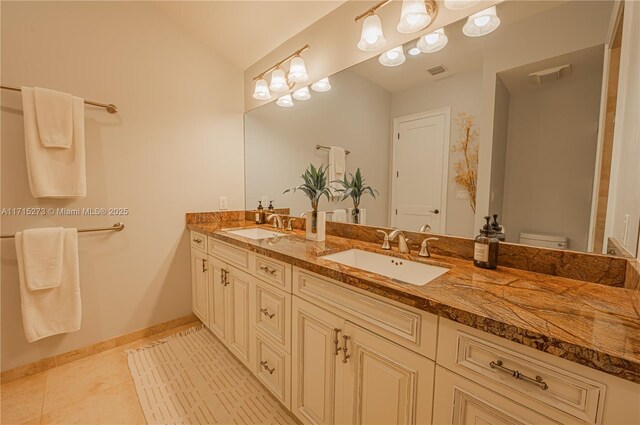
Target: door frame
{"x":446,"y":111}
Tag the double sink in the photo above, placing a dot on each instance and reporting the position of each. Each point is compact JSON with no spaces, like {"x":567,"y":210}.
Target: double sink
{"x":398,"y":269}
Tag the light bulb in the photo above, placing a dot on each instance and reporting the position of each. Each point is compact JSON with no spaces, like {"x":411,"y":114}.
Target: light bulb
{"x":414,"y":51}
{"x":302,"y":94}
{"x":481,"y":23}
{"x":285,"y":101}
{"x":413,"y":17}
{"x":278,"y":81}
{"x":298,"y":71}
{"x":261,"y":91}
{"x":321,"y":85}
{"x":433,"y":41}
{"x":459,"y":4}
{"x":372,"y":37}
{"x":393,"y":57}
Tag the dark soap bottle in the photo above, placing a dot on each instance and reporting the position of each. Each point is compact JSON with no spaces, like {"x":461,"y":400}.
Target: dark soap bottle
{"x":260,"y":213}
{"x":498,"y":229}
{"x":485,"y":252}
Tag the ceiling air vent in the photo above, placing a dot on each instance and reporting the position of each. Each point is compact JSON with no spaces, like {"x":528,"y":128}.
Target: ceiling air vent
{"x":436,"y":70}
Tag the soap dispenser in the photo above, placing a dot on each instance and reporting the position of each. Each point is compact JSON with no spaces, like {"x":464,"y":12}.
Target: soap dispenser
{"x":498,"y":229}
{"x":260,"y":213}
{"x":485,"y":252}
{"x":270,"y":208}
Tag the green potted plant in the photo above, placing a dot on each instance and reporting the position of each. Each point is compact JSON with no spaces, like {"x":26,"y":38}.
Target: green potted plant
{"x":354,"y":188}
{"x":314,"y":187}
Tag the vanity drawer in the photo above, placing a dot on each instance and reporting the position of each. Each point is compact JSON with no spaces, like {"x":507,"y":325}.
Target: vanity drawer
{"x":412,"y":328}
{"x":539,"y":384}
{"x":273,"y":271}
{"x":230,"y":254}
{"x":199,"y":241}
{"x":273,"y":314}
{"x":273,"y":368}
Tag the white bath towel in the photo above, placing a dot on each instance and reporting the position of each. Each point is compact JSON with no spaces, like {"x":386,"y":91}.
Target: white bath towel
{"x":54,"y":172}
{"x":337,"y":161}
{"x":52,"y":311}
{"x":340,"y":215}
{"x":54,"y":114}
{"x":42,"y":252}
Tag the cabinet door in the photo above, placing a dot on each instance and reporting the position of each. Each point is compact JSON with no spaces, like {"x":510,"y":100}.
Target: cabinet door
{"x":199,"y":285}
{"x":217,"y":299}
{"x":459,"y":401}
{"x":315,"y":335}
{"x":384,"y":383}
{"x":239,"y":286}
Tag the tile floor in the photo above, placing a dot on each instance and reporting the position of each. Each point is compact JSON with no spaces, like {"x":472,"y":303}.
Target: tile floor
{"x":95,"y":390}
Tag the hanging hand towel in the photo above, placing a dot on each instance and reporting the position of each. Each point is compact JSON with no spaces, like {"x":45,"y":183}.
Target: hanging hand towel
{"x":48,"y":312}
{"x":54,"y":172}
{"x":337,"y":159}
{"x":42,"y":251}
{"x":54,"y":115}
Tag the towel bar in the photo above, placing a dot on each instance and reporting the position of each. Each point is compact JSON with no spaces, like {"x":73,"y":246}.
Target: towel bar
{"x":111,"y":108}
{"x":318,"y":147}
{"x":115,"y":228}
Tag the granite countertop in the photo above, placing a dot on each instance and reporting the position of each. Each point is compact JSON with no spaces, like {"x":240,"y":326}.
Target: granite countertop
{"x":591,"y":324}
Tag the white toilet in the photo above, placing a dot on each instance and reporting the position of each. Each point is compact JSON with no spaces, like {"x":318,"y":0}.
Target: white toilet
{"x":544,"y":241}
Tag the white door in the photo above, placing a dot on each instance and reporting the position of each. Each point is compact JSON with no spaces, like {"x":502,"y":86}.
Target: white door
{"x":199,"y":285}
{"x":384,"y":383}
{"x":238,"y":309}
{"x":420,"y":170}
{"x":217,"y":299}
{"x":316,"y":334}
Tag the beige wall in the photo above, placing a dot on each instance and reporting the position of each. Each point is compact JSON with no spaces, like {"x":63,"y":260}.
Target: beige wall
{"x":499,"y":152}
{"x":551,"y":155}
{"x":462,"y":93}
{"x":280,"y":144}
{"x":175,"y":146}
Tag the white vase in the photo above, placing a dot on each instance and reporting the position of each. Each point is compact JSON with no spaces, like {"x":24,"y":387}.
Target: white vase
{"x":360,"y":218}
{"x":316,"y":233}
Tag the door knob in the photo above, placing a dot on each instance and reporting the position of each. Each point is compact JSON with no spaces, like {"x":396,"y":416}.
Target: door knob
{"x":436,"y":211}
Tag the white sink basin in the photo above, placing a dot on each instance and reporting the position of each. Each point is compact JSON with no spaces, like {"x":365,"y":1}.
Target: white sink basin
{"x":405,"y":271}
{"x":255,"y":233}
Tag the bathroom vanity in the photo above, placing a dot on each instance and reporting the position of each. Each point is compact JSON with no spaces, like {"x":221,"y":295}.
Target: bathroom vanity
{"x":338,"y":344}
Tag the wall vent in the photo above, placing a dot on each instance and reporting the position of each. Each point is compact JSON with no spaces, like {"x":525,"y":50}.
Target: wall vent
{"x":436,"y":70}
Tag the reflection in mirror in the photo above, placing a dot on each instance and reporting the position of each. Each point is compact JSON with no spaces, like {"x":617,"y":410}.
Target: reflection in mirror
{"x":516,"y":123}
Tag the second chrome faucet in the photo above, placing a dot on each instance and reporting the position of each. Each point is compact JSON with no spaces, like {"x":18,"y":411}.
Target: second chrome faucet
{"x":403,"y":242}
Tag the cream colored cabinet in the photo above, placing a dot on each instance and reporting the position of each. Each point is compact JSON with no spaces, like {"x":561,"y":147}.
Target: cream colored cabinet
{"x":384,"y":383}
{"x":230,"y":308}
{"x":199,"y":284}
{"x":344,"y":374}
{"x":315,"y":375}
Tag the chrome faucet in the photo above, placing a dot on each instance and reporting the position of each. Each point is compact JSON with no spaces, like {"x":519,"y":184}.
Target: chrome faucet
{"x":425,"y":228}
{"x":277,"y":221}
{"x":424,"y":248}
{"x":385,"y":243}
{"x":290,"y":223}
{"x":402,"y":240}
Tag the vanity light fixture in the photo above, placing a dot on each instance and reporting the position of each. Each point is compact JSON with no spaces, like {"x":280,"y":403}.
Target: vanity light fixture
{"x":414,"y":51}
{"x":481,"y":23}
{"x":433,"y":41}
{"x":285,"y":101}
{"x":459,"y":4}
{"x":393,"y":57}
{"x":372,"y":38}
{"x":281,"y":82}
{"x":302,"y":94}
{"x":261,"y":91}
{"x":321,"y":85}
{"x":416,"y":15}
{"x":297,"y":70}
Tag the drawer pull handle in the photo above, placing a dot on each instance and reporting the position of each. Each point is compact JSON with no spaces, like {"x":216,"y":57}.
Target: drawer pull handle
{"x":537,"y":381}
{"x":336,"y":349}
{"x":266,"y":313}
{"x":267,"y":368}
{"x":268,"y":270}
{"x":226,"y":277}
{"x":345,"y":356}
{"x":197,"y":240}
{"x":204,"y":268}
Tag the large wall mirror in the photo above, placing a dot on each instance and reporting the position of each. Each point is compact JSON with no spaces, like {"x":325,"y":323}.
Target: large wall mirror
{"x":517,"y":123}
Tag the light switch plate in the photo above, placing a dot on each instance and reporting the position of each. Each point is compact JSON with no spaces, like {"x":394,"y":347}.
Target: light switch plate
{"x":223,"y":203}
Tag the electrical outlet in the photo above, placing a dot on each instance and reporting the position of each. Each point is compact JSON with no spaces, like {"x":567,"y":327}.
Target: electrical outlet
{"x":223,"y":203}
{"x":462,"y":195}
